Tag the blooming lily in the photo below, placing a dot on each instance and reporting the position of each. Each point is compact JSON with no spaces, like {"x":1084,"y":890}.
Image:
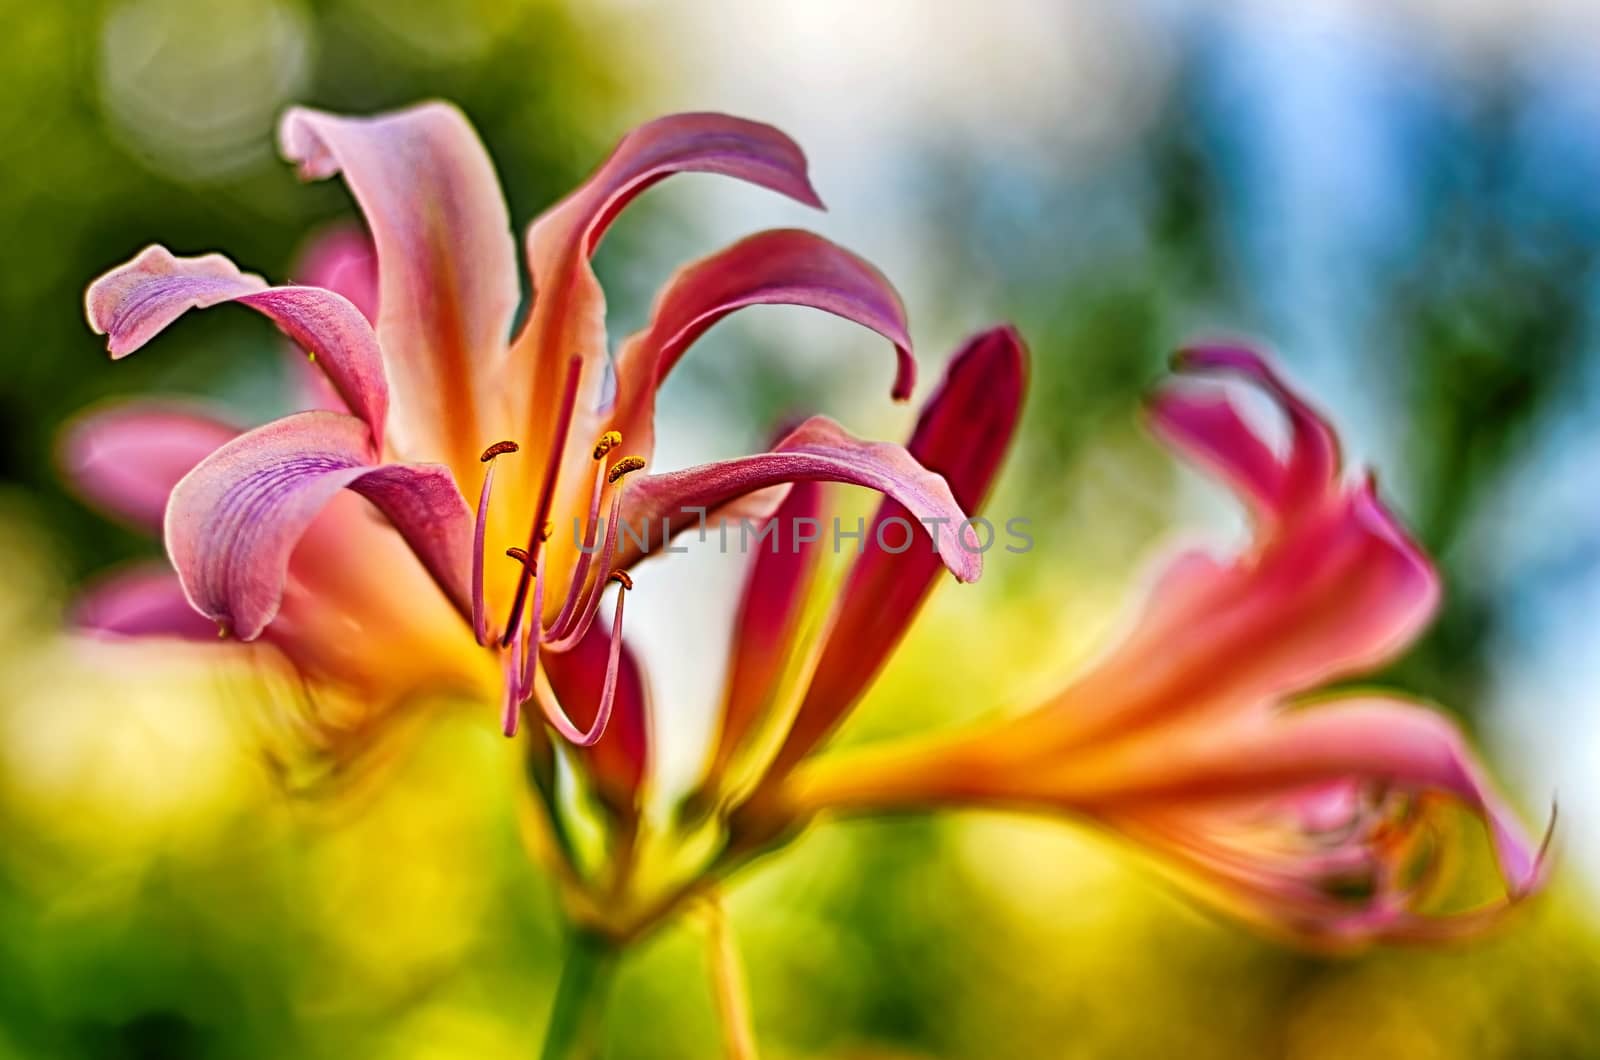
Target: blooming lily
{"x":271,"y":531}
{"x":1325,"y":821}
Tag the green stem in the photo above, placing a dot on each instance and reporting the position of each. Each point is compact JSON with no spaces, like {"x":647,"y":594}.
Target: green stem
{"x":575,"y":1023}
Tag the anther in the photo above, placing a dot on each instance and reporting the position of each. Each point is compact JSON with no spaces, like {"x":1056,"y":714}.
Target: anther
{"x":608,"y":441}
{"x":546,"y":531}
{"x":520,"y":555}
{"x":622,"y":578}
{"x":498,"y":449}
{"x":626,"y":465}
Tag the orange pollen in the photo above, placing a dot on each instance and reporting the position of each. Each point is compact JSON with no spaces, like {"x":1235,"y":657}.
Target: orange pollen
{"x":498,"y":449}
{"x":626,"y":465}
{"x":622,"y":578}
{"x":608,"y":441}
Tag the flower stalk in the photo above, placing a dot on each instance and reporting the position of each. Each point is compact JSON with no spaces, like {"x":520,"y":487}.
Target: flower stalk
{"x":576,"y":1016}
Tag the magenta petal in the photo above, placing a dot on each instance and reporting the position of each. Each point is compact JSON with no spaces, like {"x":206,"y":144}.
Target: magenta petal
{"x":1311,"y":466}
{"x":764,"y":630}
{"x":135,"y":301}
{"x":1210,"y":430}
{"x":342,"y":259}
{"x":568,"y":315}
{"x":447,"y":265}
{"x":233,"y":520}
{"x":963,"y":433}
{"x":125,"y":458}
{"x":819,"y":450}
{"x":1376,"y":740}
{"x":682,"y":143}
{"x":779,"y":267}
{"x":141,"y":601}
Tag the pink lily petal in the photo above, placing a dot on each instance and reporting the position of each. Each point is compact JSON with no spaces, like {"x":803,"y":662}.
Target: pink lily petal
{"x":135,"y":301}
{"x":126,"y":457}
{"x":1210,"y":429}
{"x":1213,"y":434}
{"x":446,"y":263}
{"x":145,"y":600}
{"x":963,"y":434}
{"x":1308,"y":897}
{"x":568,"y":313}
{"x":233,"y":521}
{"x":1332,"y":587}
{"x":617,"y":762}
{"x":1384,"y":740}
{"x":1179,"y":737}
{"x":819,"y":450}
{"x":770,"y":608}
{"x":1215,"y":799}
{"x":1241,"y":808}
{"x":342,"y":259}
{"x":779,"y":267}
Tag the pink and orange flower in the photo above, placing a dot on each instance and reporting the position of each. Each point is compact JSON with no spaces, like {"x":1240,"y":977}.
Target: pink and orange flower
{"x":1208,"y":734}
{"x":422,"y":390}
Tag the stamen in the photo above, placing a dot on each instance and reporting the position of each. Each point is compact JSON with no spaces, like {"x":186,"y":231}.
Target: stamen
{"x":626,"y":465}
{"x":498,"y":449}
{"x":622,"y":578}
{"x":583,"y":597}
{"x":515,"y":692}
{"x":480,"y":618}
{"x":520,"y":555}
{"x":558,"y":442}
{"x":608,"y":441}
{"x":586,"y":551}
{"x":529,"y":662}
{"x":558,"y":718}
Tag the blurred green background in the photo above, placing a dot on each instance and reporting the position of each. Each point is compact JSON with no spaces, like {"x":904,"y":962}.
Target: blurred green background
{"x":1402,"y":199}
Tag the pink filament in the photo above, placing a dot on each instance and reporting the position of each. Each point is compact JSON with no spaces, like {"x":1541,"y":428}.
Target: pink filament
{"x":558,"y":718}
{"x":574,"y":622}
{"x":480,"y":619}
{"x":580,"y":573}
{"x":558,"y":443}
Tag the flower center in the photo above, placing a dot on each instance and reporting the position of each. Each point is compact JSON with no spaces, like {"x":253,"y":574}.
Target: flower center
{"x":525,"y":634}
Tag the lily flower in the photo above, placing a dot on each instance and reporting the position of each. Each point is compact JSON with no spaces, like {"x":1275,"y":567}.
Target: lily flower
{"x":1323,"y":820}
{"x":425,"y":395}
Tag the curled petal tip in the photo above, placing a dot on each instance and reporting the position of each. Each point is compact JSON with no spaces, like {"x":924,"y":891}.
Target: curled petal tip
{"x":783,"y":266}
{"x":301,"y":146}
{"x":1529,"y":880}
{"x":1220,"y":356}
{"x":131,"y":303}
